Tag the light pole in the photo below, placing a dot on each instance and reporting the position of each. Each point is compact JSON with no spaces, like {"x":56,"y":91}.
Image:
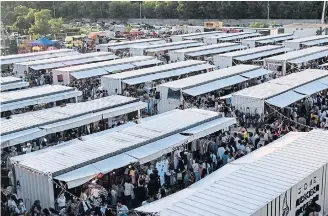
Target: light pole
{"x":268,"y":13}
{"x":140,"y":11}
{"x":323,"y":13}
{"x":53,"y":5}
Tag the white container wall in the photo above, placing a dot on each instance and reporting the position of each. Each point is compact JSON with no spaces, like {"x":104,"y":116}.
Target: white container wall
{"x":60,"y":74}
{"x":242,"y":103}
{"x":195,"y":29}
{"x":210,"y":40}
{"x":295,"y":45}
{"x":276,"y":66}
{"x":175,"y":55}
{"x":222,"y":61}
{"x":33,"y":186}
{"x":111,"y":84}
{"x":176,"y":38}
{"x":249,"y":43}
{"x":19,"y":70}
{"x":165,"y":104}
{"x":296,"y":199}
{"x":137,"y":51}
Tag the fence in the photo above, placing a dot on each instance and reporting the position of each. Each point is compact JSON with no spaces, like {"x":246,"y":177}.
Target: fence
{"x":231,"y":22}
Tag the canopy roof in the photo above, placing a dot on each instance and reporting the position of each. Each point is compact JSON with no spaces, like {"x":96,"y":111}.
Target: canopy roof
{"x":208,"y":77}
{"x":38,"y":95}
{"x":43,"y":41}
{"x":17,"y":58}
{"x":66,"y":159}
{"x":297,"y":54}
{"x":283,"y":84}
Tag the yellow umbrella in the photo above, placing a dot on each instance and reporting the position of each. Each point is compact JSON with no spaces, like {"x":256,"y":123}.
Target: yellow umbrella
{"x":36,"y":48}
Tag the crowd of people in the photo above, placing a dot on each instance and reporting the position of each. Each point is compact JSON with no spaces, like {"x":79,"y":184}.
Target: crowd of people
{"x":142,"y":186}
{"x":183,"y":167}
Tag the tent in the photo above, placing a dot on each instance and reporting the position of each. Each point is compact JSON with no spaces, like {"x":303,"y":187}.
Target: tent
{"x":42,"y":42}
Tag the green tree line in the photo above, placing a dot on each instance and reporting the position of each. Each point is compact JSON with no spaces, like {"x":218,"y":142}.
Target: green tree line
{"x":33,"y":21}
{"x":166,"y":9}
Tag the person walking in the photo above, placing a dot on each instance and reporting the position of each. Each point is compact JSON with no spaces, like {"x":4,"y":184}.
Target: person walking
{"x":128,"y":190}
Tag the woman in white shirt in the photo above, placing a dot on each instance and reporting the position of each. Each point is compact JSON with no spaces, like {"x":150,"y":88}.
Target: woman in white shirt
{"x":195,"y":167}
{"x":61,"y":200}
{"x":128,"y":192}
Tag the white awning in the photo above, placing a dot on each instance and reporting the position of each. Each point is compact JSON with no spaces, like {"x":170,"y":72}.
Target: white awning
{"x":148,"y":62}
{"x":40,"y":100}
{"x":47,"y":66}
{"x":256,"y":73}
{"x":277,"y":39}
{"x":172,"y":73}
{"x":175,"y":47}
{"x":285,"y":99}
{"x":323,"y":80}
{"x":257,"y":55}
{"x":210,"y":127}
{"x":84,"y":174}
{"x":71,"y":123}
{"x":239,"y":37}
{"x":315,"y":42}
{"x":215,"y":85}
{"x":21,"y":137}
{"x":309,"y":57}
{"x":215,"y":51}
{"x":15,"y":85}
{"x":158,"y":148}
{"x":89,"y":73}
{"x":311,"y":88}
{"x":119,"y":67}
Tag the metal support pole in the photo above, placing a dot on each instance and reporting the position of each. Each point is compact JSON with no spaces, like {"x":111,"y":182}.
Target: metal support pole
{"x":140,"y":11}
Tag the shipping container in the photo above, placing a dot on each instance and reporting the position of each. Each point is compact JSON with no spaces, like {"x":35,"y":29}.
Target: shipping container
{"x":176,"y":38}
{"x":126,"y":45}
{"x":248,"y":55}
{"x":118,"y":82}
{"x":162,"y":48}
{"x":279,"y":179}
{"x":306,"y":42}
{"x":171,"y":94}
{"x":65,"y":75}
{"x":200,"y":52}
{"x":270,"y":39}
{"x":285,"y":62}
{"x":254,"y":98}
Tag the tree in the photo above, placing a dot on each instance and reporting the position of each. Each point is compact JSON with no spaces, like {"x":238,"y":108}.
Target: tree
{"x":56,"y":25}
{"x":11,"y":10}
{"x":25,"y":19}
{"x":128,"y":28}
{"x":21,"y":11}
{"x":119,"y":10}
{"x":41,"y":22}
{"x":22,"y":25}
{"x":258,"y":25}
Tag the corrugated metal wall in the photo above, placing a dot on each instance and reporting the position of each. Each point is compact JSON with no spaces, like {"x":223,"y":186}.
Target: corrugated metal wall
{"x":222,"y":61}
{"x":164,"y":103}
{"x":111,"y":84}
{"x":34,"y":186}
